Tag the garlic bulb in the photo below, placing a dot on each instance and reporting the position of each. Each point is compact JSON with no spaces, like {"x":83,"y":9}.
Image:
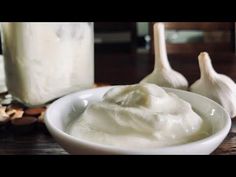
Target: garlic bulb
{"x":163,"y":74}
{"x":217,"y":87}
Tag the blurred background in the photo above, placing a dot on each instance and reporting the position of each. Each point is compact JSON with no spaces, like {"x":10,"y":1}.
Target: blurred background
{"x":124,"y":51}
{"x":129,"y":37}
{"x":193,"y":36}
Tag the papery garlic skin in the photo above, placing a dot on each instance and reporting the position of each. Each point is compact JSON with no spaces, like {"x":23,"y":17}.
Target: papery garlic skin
{"x":163,"y":75}
{"x":167,"y":78}
{"x":217,"y":87}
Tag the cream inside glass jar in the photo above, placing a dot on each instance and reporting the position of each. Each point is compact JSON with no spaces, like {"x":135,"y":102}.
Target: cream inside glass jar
{"x":44,"y":61}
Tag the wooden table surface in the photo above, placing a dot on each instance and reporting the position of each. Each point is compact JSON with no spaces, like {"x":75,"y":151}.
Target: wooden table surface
{"x":122,"y":69}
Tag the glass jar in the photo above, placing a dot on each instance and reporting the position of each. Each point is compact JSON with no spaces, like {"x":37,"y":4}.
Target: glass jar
{"x":44,"y":61}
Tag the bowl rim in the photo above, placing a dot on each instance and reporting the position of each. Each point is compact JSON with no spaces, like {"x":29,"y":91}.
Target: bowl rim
{"x":222,"y":132}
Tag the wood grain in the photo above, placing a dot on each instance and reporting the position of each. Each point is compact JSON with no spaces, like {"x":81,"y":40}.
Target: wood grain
{"x":228,"y":147}
{"x":33,"y":143}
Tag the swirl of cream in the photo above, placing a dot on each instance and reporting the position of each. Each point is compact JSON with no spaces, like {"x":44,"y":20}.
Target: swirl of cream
{"x":140,"y":115}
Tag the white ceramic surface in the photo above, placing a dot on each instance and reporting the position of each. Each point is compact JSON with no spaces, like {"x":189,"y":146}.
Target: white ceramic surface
{"x":66,"y":109}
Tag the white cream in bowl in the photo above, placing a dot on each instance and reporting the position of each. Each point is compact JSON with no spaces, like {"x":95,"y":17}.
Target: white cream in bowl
{"x":140,"y":116}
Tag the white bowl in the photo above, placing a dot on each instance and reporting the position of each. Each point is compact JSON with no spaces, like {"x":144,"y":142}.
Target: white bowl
{"x":68,"y":108}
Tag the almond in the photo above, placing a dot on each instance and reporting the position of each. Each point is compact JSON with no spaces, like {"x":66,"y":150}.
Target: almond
{"x":34,"y":111}
{"x":41,"y":117}
{"x":4,"y":117}
{"x":18,"y":114}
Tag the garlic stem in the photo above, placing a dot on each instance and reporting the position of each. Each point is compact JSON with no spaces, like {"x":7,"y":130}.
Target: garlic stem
{"x":161,"y":59}
{"x":206,"y":68}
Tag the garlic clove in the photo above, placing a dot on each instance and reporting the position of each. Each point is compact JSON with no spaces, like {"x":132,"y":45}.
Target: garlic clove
{"x":163,"y":75}
{"x":217,"y":87}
